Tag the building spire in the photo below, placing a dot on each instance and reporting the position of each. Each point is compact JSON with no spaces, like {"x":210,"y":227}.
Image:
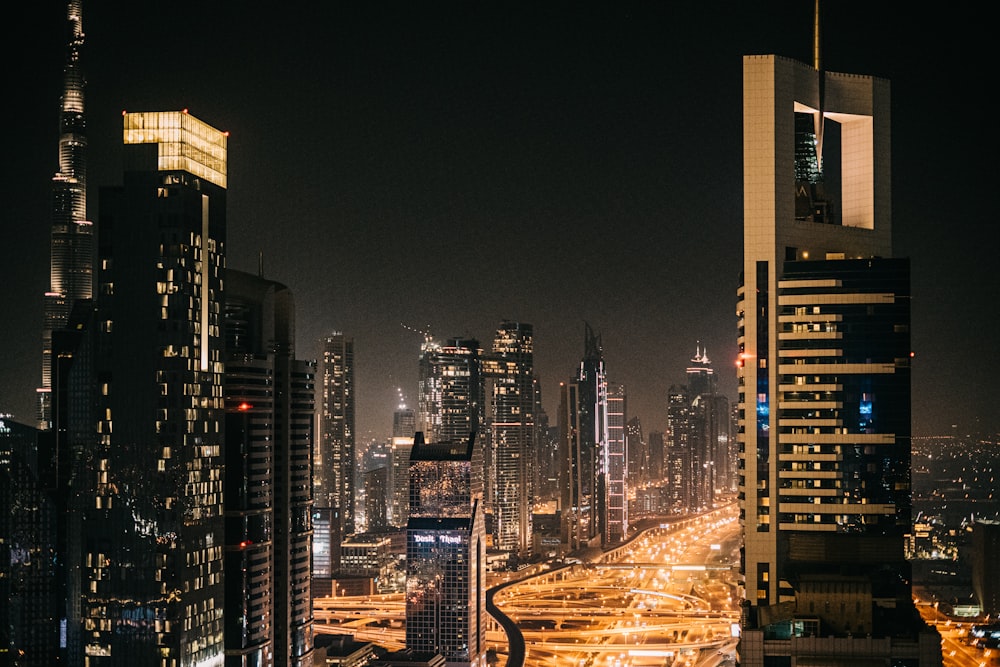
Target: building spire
{"x":818,"y":65}
{"x":816,"y":42}
{"x":72,"y":236}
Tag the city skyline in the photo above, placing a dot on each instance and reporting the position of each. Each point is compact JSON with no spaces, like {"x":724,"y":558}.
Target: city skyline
{"x":393,"y":162}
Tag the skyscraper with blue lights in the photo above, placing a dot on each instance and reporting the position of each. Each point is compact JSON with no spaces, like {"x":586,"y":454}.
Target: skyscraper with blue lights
{"x":824,"y":376}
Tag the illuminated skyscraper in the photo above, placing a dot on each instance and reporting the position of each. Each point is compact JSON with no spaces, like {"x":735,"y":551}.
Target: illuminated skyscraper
{"x":593,"y":387}
{"x":685,"y":428}
{"x":450,"y":389}
{"x":153,"y":533}
{"x":698,"y":437}
{"x":616,"y":527}
{"x":446,"y":552}
{"x":72,"y":236}
{"x":576,"y":472}
{"x":583,"y":449}
{"x":399,"y":481}
{"x":509,"y":371}
{"x":270,"y":409}
{"x":824,"y":377}
{"x":336,"y":456}
{"x":404,"y":422}
{"x":638,"y":453}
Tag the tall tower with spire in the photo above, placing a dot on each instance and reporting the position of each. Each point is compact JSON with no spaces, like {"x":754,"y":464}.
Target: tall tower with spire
{"x":824,"y":376}
{"x":72,"y":240}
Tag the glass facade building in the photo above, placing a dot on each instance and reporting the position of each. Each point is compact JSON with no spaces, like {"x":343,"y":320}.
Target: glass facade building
{"x":616,"y":488}
{"x":152,"y":524}
{"x":450,"y":402}
{"x":509,"y":371}
{"x":335,"y":463}
{"x":446,"y":553}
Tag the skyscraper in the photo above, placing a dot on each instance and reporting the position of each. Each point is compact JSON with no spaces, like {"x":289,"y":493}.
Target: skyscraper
{"x":616,"y":486}
{"x":985,"y":557}
{"x":685,"y":428}
{"x":450,"y":401}
{"x":270,"y":408}
{"x":29,"y":555}
{"x":638,"y":453}
{"x":399,"y":480}
{"x":592,"y":380}
{"x":698,"y":439}
{"x":657,"y":454}
{"x":446,"y":552}
{"x":404,"y":422}
{"x":72,"y":236}
{"x":509,"y":372}
{"x":576,"y":472}
{"x":824,"y":375}
{"x":583,"y":449}
{"x":335,"y":476}
{"x":153,"y":533}
{"x":376,"y":499}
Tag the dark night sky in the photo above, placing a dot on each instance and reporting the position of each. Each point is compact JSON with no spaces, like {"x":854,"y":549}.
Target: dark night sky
{"x":449,"y":165}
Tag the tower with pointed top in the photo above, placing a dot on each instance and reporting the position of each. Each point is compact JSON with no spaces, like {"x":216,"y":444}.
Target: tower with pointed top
{"x":71,"y":260}
{"x":824,"y":376}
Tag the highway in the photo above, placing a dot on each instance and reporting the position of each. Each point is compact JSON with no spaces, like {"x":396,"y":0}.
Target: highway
{"x":665,"y":598}
{"x":955,"y":648}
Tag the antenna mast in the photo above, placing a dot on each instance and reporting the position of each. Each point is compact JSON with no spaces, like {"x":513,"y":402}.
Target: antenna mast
{"x":818,"y":65}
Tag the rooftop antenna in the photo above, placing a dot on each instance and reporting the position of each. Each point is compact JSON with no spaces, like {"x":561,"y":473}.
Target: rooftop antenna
{"x":818,"y":66}
{"x":816,"y":46}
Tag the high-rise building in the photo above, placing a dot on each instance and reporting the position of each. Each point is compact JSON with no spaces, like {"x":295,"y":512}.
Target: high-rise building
{"x":985,"y":557}
{"x":616,"y":527}
{"x":270,"y":408}
{"x":446,"y":552}
{"x":335,"y":476}
{"x":583,"y":450}
{"x":509,"y":373}
{"x":376,"y":505}
{"x":404,"y":422}
{"x":685,"y":427}
{"x":576,"y":472}
{"x":450,"y":403}
{"x":153,"y":534}
{"x":701,"y":386}
{"x":698,"y":437}
{"x":71,"y":259}
{"x":824,"y":378}
{"x":657,"y":455}
{"x":592,"y":381}
{"x":399,"y":480}
{"x":29,"y":554}
{"x":325,"y":550}
{"x":638,"y":453}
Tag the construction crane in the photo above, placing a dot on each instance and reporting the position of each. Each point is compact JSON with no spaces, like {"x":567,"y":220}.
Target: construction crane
{"x":426,"y":333}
